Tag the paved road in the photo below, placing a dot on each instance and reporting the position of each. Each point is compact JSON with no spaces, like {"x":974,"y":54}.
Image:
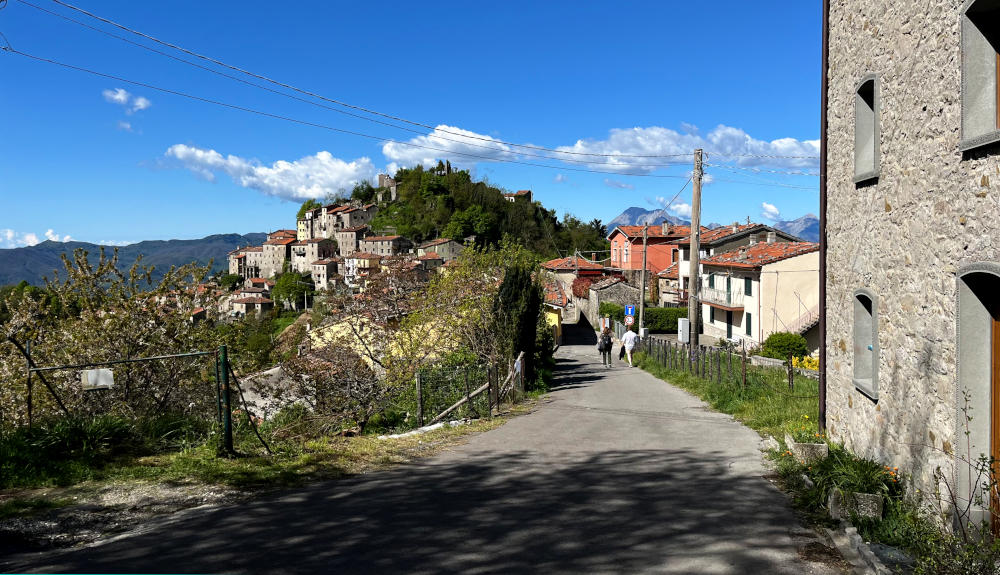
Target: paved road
{"x":616,"y":472}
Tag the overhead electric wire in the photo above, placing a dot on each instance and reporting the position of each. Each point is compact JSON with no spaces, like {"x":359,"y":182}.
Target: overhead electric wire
{"x":764,"y":170}
{"x":763,"y":182}
{"x":345,"y":104}
{"x":332,"y":108}
{"x":319,"y":125}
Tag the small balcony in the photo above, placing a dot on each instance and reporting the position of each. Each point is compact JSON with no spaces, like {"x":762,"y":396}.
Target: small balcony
{"x":725,"y":299}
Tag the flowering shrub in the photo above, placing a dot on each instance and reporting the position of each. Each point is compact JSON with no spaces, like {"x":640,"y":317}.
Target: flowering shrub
{"x":806,"y":362}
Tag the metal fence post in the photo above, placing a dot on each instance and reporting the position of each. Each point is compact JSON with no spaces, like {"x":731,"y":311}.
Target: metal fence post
{"x":27,"y":346}
{"x":227,"y":425}
{"x":420,"y":400}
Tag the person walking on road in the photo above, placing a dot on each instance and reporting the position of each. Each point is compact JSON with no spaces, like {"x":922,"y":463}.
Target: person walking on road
{"x":604,"y":345}
{"x":629,"y":341}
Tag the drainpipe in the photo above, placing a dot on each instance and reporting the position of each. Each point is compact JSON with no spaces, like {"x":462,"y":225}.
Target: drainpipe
{"x":822,"y":216}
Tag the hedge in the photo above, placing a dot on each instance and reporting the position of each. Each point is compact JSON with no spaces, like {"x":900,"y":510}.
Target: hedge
{"x":780,"y":345}
{"x":657,"y":319}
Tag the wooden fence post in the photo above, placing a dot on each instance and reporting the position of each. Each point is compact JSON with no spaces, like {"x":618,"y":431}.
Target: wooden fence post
{"x":718,"y":366}
{"x":744,"y":362}
{"x":791,"y":373}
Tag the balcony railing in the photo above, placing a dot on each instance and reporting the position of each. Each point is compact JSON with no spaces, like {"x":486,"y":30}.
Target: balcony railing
{"x":722,"y":297}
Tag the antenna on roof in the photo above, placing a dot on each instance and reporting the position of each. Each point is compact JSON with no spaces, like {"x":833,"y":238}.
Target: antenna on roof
{"x":748,"y":220}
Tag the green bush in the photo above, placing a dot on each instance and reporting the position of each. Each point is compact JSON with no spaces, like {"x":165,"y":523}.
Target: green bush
{"x":780,"y":345}
{"x":657,"y":319}
{"x":612,"y":310}
{"x":663,"y":319}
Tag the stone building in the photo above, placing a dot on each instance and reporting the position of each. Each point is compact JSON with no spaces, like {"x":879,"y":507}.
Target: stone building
{"x":275,"y":253}
{"x":385,"y":245}
{"x":348,"y":240}
{"x":304,"y":252}
{"x":324,"y":273}
{"x":447,"y":248}
{"x":913,"y":253}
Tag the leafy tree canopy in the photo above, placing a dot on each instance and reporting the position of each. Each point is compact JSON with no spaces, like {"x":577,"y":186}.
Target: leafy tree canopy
{"x":443,"y":202}
{"x":307,"y":205}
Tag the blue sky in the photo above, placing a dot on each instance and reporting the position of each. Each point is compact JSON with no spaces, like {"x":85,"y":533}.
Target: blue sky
{"x":101,"y":160}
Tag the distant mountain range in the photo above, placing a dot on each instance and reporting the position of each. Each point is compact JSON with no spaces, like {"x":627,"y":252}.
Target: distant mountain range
{"x":806,"y":227}
{"x":32,"y":263}
{"x":638,"y":217}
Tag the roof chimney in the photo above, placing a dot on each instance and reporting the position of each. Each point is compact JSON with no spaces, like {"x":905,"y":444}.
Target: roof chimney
{"x":666,"y":227}
{"x":771,"y":237}
{"x":736,"y":226}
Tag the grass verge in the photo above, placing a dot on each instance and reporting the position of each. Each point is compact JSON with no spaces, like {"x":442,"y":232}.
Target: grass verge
{"x":765,"y":405}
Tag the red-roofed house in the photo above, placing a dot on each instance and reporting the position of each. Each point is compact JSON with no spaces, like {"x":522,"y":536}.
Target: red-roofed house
{"x":523,"y":195}
{"x":249,"y":305}
{"x":430,"y":261}
{"x":626,"y":246}
{"x":755,"y":290}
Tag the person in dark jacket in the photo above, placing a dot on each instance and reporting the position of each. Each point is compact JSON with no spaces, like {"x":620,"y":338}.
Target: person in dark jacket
{"x":604,"y":345}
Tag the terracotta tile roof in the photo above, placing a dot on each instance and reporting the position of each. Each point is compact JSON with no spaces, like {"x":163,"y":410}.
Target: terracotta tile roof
{"x":570,"y":264}
{"x":761,"y":254}
{"x":381,"y":238}
{"x":253,"y":290}
{"x":555,"y":296}
{"x":241,"y":256}
{"x":518,"y":193}
{"x":430,"y":256}
{"x":279,"y":242}
{"x":723,"y":233}
{"x":656,"y":231}
{"x":364,"y":256}
{"x":334,"y":208}
{"x":256,"y":300}
{"x":323,"y":262}
{"x":254,"y":249}
{"x":197,"y":310}
{"x":354,"y":229}
{"x":257,"y":280}
{"x":671,"y":273}
{"x":436,"y":242}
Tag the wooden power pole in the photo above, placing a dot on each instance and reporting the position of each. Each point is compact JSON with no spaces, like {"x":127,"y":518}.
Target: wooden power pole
{"x":642,"y":279}
{"x":694,"y":278}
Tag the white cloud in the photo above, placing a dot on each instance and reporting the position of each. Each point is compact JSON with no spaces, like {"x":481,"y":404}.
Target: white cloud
{"x":680,"y":209}
{"x":14,"y":239}
{"x":770,"y":212}
{"x":140,"y":103}
{"x":560,"y":178}
{"x":309,"y":177}
{"x":125,"y":126}
{"x":50,"y":234}
{"x":117,"y":96}
{"x":673,"y":147}
{"x":689,"y":128}
{"x":447,"y":143}
{"x":126,"y":100}
{"x":616,"y":184}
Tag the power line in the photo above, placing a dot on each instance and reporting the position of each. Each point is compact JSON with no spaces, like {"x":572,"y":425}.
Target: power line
{"x":345,"y":104}
{"x":762,"y":182}
{"x":768,"y":171}
{"x":332,"y":108}
{"x":319,"y":125}
{"x":767,"y":156}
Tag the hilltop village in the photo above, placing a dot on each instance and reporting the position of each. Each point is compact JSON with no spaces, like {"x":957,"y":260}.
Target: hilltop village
{"x":336,"y":246}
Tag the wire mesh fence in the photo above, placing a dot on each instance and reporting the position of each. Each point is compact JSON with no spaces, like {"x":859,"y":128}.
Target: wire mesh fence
{"x":728,"y":367}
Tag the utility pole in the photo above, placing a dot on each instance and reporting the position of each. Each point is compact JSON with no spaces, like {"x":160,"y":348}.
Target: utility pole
{"x":642,"y":278}
{"x":694,"y":303}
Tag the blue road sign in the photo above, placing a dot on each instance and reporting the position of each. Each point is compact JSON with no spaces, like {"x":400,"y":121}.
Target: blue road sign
{"x":630,"y":310}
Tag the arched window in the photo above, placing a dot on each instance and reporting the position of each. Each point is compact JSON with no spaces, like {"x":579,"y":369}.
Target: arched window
{"x":980,"y":74}
{"x":866,"y":342}
{"x":866,"y":129}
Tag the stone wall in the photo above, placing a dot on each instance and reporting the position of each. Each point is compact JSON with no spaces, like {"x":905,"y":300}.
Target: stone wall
{"x":906,"y":235}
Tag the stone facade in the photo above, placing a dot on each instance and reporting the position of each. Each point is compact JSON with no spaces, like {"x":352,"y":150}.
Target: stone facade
{"x":305,"y":252}
{"x":915,"y":240}
{"x":385,"y":245}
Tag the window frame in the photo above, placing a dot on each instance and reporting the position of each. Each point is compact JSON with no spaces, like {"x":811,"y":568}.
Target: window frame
{"x":748,"y":321}
{"x":871,"y":172}
{"x":970,"y":80}
{"x":748,"y":286}
{"x":869,"y":386}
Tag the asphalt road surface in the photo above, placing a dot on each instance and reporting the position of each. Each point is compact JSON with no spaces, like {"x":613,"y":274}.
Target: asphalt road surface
{"x":615,"y":472}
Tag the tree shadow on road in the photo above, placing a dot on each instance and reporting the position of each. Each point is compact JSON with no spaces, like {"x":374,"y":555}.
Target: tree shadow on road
{"x":619,"y":511}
